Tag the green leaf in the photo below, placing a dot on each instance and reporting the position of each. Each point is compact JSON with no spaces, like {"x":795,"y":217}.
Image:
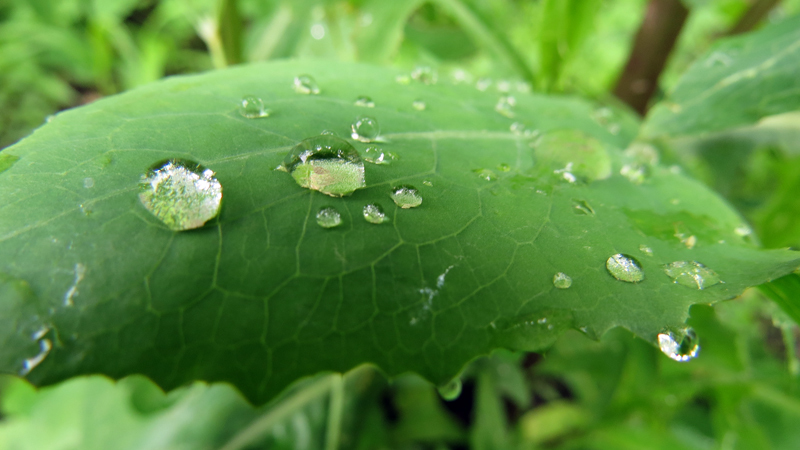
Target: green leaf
{"x":785,"y":292}
{"x":737,"y":82}
{"x":263,"y":296}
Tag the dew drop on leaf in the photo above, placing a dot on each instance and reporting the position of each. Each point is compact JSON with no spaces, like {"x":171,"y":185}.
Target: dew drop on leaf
{"x":181,"y":193}
{"x":562,"y":280}
{"x":373,"y":213}
{"x":88,"y":182}
{"x":419,"y":105}
{"x":364,"y":102}
{"x":329,"y":217}
{"x":450,"y":390}
{"x":406,"y":197}
{"x":253,"y":108}
{"x":45,"y":345}
{"x":305,"y":84}
{"x":424,"y":75}
{"x":691,"y":274}
{"x":624,"y":268}
{"x":326,"y":164}
{"x":427,"y":183}
{"x":365,"y":129}
{"x":376,"y":155}
{"x":505,"y":106}
{"x":503,"y":167}
{"x":581,"y":207}
{"x":681,"y":344}
{"x":485,"y":174}
{"x":646,"y":250}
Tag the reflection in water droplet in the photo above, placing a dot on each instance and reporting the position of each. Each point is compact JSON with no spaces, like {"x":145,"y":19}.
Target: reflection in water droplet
{"x":681,"y":344}
{"x":253,"y":108}
{"x":425,"y":75}
{"x":181,"y":193}
{"x":562,"y":280}
{"x":365,"y":129}
{"x":646,"y":250}
{"x":505,"y":106}
{"x":450,"y":390}
{"x":624,"y":268}
{"x":30,"y":363}
{"x":373,"y":213}
{"x":326,"y":164}
{"x":485,"y":174}
{"x":582,"y":207}
{"x":692,"y":274}
{"x":364,"y":102}
{"x":406,"y":197}
{"x":427,"y":183}
{"x":305,"y":84}
{"x":329,"y":217}
{"x":419,"y":105}
{"x":376,"y":155}
{"x":88,"y":182}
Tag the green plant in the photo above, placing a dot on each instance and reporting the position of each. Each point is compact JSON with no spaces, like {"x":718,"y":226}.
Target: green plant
{"x":544,"y":219}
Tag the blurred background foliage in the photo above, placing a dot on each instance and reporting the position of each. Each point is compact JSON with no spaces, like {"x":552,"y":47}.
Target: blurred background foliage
{"x":618,"y":393}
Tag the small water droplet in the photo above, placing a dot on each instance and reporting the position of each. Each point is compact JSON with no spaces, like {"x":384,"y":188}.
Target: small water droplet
{"x":634,"y":173}
{"x":427,"y":183}
{"x":450,"y":390}
{"x":364,"y":102}
{"x":365,"y":129}
{"x":305,"y":84}
{"x":680,"y":344}
{"x":503,"y":167}
{"x":45,"y":345}
{"x":743,"y":230}
{"x":485,"y":174}
{"x":419,"y":105}
{"x":373,"y":213}
{"x":329,"y":217}
{"x":582,"y":207}
{"x":625,"y":268}
{"x":181,"y":193}
{"x":646,"y":250}
{"x":691,"y":274}
{"x":483,"y":84}
{"x":403,"y":79}
{"x":6,"y":161}
{"x":505,"y":106}
{"x":88,"y":182}
{"x":253,"y":108}
{"x":406,"y":197}
{"x":566,"y":173}
{"x":326,"y":164}
{"x":562,"y":280}
{"x":425,"y":75}
{"x":376,"y":155}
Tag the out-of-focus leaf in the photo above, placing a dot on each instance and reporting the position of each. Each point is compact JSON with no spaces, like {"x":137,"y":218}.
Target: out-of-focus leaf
{"x":785,"y":291}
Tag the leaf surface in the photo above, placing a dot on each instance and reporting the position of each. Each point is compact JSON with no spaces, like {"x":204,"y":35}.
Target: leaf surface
{"x":262,"y":295}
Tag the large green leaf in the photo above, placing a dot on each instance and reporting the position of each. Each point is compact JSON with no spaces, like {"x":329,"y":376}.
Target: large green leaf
{"x":262,"y":296}
{"x":737,"y":82}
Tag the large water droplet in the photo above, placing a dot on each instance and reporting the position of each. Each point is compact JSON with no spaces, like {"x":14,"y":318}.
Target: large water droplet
{"x":406,"y":197}
{"x":562,"y":280}
{"x":181,"y":193}
{"x":327,"y":164}
{"x":624,"y":268}
{"x":681,"y":344}
{"x":373,"y":213}
{"x":425,"y":75}
{"x":505,"y":106}
{"x":450,"y":390}
{"x":329,"y":217}
{"x":419,"y":105}
{"x":376,"y":155}
{"x":365,"y":129}
{"x":692,"y":274}
{"x":364,"y":102}
{"x":305,"y":84}
{"x":253,"y":108}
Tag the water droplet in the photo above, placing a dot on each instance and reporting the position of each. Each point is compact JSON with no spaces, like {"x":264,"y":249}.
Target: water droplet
{"x":503,"y":167}
{"x":253,"y":108}
{"x":743,"y":230}
{"x":575,"y":153}
{"x":181,"y":193}
{"x":582,"y":208}
{"x":681,"y":344}
{"x":518,"y":128}
{"x":80,"y":272}
{"x":562,"y":280}
{"x":328,"y":133}
{"x":328,"y":217}
{"x":305,"y":84}
{"x":6,"y":161}
{"x":373,"y":213}
{"x":682,"y":233}
{"x":317,"y":31}
{"x":427,"y":183}
{"x":425,"y":75}
{"x":406,"y":197}
{"x":365,"y":129}
{"x":634,"y":173}
{"x":692,"y":274}
{"x":419,"y":105}
{"x":460,"y":76}
{"x":566,"y":173}
{"x":88,"y":182}
{"x":485,"y":174}
{"x":376,"y":155}
{"x":450,"y":390}
{"x":45,"y":345}
{"x":624,"y":268}
{"x":326,"y":164}
{"x":646,"y":250}
{"x":364,"y":102}
{"x":483,"y":84}
{"x":403,"y":79}
{"x":505,"y":106}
